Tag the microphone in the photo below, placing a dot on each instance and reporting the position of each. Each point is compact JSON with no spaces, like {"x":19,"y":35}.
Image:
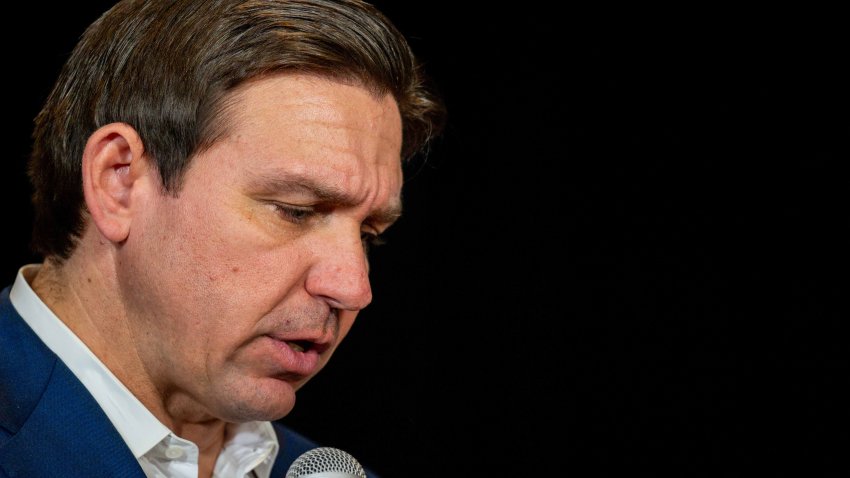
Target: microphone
{"x":325,"y":462}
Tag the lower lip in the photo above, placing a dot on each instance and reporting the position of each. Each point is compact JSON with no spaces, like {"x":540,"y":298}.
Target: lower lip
{"x":292,"y":362}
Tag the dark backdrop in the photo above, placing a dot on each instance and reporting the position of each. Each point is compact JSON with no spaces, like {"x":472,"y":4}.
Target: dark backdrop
{"x":627,"y":254}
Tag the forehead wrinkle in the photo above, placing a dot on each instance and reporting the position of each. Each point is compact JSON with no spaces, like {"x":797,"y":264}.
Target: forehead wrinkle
{"x":292,"y":182}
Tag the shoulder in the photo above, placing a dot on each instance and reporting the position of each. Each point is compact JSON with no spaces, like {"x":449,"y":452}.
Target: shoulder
{"x":26,"y":365}
{"x":292,"y":445}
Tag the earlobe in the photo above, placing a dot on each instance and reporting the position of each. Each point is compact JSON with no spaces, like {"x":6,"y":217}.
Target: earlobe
{"x":113,"y":164}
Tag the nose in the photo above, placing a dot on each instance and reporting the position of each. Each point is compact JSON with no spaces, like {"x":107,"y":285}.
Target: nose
{"x":340,"y":272}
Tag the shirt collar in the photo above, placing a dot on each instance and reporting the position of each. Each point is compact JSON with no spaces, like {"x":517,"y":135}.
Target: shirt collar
{"x":253,"y":446}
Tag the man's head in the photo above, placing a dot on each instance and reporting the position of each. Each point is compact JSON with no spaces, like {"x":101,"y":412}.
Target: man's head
{"x":168,"y":68}
{"x":209,"y":175}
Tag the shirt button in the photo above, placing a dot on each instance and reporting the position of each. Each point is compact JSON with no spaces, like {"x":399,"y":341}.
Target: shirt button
{"x":173,"y":452}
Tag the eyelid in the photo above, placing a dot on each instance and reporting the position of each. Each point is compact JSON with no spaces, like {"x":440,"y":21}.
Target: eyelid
{"x":371,"y":237}
{"x":294,"y":213}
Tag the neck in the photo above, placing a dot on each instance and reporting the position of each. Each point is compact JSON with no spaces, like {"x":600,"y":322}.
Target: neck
{"x":83,"y":294}
{"x":80,"y":296}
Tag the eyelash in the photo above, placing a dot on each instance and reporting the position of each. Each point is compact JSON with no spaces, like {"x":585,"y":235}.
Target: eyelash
{"x":298,"y":215}
{"x":294,"y":214}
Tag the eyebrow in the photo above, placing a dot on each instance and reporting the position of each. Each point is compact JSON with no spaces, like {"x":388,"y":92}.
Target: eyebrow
{"x":289,"y":182}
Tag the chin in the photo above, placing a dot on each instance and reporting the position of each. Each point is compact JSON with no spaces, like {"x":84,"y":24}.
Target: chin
{"x":260,"y":403}
{"x":248,"y":412}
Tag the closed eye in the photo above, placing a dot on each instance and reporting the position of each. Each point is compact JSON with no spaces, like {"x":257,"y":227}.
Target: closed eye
{"x":371,"y":240}
{"x":294,"y":214}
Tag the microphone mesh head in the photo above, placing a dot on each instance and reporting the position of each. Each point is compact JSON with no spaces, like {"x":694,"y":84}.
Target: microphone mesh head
{"x":325,"y":459}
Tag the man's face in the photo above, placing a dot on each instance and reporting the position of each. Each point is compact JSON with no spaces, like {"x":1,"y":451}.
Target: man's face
{"x":241,"y":287}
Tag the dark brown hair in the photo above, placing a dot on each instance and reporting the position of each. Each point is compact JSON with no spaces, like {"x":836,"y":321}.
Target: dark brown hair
{"x":166,"y":67}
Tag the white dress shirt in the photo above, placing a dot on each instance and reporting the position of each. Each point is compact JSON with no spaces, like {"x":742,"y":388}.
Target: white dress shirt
{"x":249,"y":452}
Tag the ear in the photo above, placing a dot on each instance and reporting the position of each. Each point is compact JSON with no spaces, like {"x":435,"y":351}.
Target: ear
{"x":113,"y":165}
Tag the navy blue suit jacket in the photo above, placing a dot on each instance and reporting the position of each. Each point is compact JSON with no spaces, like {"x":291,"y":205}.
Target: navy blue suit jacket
{"x":51,"y":426}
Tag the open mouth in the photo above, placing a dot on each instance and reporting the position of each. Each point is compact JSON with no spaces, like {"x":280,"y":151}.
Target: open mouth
{"x":299,"y":345}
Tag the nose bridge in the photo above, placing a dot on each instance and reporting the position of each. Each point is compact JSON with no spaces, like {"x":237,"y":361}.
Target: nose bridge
{"x":340,"y":273}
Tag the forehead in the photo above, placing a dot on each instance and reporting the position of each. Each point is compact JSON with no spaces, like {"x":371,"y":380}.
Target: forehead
{"x":332,"y":133}
{"x":295,"y":98}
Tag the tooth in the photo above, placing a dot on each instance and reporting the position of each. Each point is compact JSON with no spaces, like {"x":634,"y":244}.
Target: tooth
{"x":295,"y":347}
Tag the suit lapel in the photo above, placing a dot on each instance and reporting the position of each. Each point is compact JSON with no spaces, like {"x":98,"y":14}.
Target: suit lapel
{"x":56,"y":428}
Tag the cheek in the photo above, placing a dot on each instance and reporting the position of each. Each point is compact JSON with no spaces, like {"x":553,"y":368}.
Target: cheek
{"x":232,"y":282}
{"x":218,"y":251}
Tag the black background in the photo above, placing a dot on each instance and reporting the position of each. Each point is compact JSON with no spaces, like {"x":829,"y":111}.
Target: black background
{"x":626,"y":254}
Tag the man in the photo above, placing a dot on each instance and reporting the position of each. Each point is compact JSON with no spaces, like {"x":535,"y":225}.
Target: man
{"x":207,"y":178}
